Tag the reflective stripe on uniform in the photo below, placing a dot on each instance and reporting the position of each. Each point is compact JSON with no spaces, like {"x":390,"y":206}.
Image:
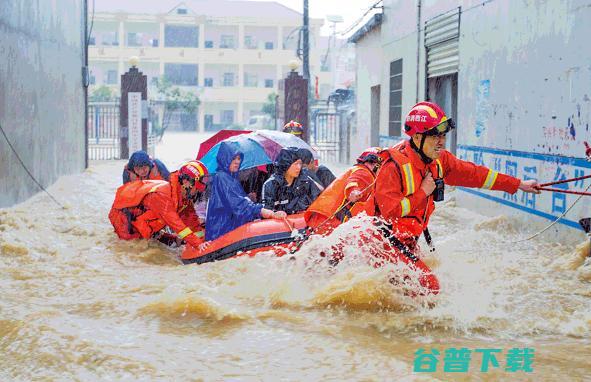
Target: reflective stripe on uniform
{"x":199,"y":233}
{"x":408,"y":179}
{"x":439,"y":168}
{"x":351,"y":184}
{"x":405,"y":205}
{"x":184,"y":233}
{"x":489,"y":182}
{"x":157,"y":186}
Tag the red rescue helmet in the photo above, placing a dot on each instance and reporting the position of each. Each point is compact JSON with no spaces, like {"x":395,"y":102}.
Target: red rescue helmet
{"x":370,"y":155}
{"x":427,"y":118}
{"x":293,"y":127}
{"x":196,"y":173}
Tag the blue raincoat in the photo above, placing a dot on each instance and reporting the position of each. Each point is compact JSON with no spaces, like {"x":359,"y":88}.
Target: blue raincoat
{"x":228,"y":207}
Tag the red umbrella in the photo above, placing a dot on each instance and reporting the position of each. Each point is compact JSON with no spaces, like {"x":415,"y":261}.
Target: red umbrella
{"x":206,"y":145}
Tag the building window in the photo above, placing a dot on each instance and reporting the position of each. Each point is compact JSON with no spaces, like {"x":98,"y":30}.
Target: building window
{"x":109,"y":39}
{"x":92,"y":79}
{"x":395,"y":115}
{"x":268,"y":83}
{"x":181,"y":11}
{"x":134,"y":39}
{"x":92,"y":41}
{"x":269,"y":45}
{"x":250,"y":42}
{"x":227,"y":41}
{"x":250,"y":80}
{"x":228,"y":79}
{"x":181,"y":74}
{"x":181,"y":36}
{"x":154,"y":42}
{"x":227,"y":117}
{"x":208,"y":122}
{"x":208,"y":44}
{"x":111,"y":77}
{"x":208,"y":82}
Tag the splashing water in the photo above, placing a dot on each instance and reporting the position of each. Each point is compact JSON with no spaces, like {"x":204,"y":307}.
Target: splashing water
{"x":80,"y":304}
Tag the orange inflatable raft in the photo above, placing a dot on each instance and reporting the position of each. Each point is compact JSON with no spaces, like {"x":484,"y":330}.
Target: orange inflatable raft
{"x":280,"y":236}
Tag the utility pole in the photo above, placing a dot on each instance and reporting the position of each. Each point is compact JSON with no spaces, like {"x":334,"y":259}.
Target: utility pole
{"x":306,"y":42}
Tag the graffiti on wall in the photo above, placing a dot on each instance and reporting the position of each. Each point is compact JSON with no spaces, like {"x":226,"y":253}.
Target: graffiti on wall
{"x":541,"y":167}
{"x":482,"y":107}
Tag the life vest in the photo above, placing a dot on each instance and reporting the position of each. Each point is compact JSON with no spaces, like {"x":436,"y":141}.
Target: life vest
{"x":130,"y":196}
{"x":334,"y":199}
{"x":154,"y":174}
{"x":411,"y":179}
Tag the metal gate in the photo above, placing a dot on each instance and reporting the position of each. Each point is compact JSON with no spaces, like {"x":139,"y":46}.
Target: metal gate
{"x":103,"y":131}
{"x":104,"y":141}
{"x":327,"y":137}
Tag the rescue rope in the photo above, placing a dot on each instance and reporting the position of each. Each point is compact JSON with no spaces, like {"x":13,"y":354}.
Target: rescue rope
{"x":561,"y":216}
{"x":27,"y":170}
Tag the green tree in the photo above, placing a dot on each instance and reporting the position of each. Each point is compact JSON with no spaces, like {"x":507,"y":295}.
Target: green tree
{"x":174,"y":100}
{"x":269,"y":105}
{"x":102,"y":93}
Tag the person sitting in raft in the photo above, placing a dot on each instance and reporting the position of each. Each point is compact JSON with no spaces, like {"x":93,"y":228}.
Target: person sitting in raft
{"x":252,"y":180}
{"x":294,"y":128}
{"x":349,"y":195}
{"x":288,"y":189}
{"x":142,"y":167}
{"x":321,"y":174}
{"x":143,"y":208}
{"x":229,"y":207}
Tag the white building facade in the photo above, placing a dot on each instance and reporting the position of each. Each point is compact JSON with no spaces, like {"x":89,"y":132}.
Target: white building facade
{"x":230,"y":53}
{"x":514,"y":75}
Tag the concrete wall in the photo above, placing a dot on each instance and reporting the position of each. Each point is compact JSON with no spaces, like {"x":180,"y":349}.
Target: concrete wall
{"x":524,"y":103}
{"x":41,"y":94}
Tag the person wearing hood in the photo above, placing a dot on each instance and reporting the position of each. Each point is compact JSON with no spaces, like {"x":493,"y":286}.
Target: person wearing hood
{"x":319,"y":173}
{"x":142,"y":209}
{"x":142,"y":167}
{"x":229,"y":207}
{"x":288,"y":189}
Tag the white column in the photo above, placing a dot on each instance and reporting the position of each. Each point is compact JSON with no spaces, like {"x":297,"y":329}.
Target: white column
{"x":201,"y":36}
{"x":161,"y":69}
{"x":120,"y":69}
{"x":161,"y":37}
{"x":239,"y":117}
{"x":121,"y":34}
{"x":280,"y":37}
{"x":200,"y":73}
{"x":279,"y":76}
{"x":240,"y":44}
{"x":241,"y":75}
{"x":202,"y":117}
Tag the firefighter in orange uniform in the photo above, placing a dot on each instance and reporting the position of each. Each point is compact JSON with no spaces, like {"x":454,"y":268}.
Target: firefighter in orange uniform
{"x":347,"y":196}
{"x":142,"y":208}
{"x":413,"y":176}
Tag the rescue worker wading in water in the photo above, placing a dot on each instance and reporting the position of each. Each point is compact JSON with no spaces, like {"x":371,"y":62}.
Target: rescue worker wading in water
{"x":414,"y":169}
{"x":347,"y":196}
{"x":142,"y":208}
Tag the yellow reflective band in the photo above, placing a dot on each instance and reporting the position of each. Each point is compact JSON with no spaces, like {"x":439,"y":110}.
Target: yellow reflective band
{"x":184,"y":233}
{"x":199,"y":233}
{"x":351,"y":184}
{"x":489,"y":182}
{"x":405,"y":205}
{"x":439,"y":168}
{"x":428,"y":109}
{"x":157,"y":186}
{"x":408,"y":179}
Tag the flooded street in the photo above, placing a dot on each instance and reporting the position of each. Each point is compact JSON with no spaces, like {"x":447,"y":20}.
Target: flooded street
{"x":79,"y":304}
